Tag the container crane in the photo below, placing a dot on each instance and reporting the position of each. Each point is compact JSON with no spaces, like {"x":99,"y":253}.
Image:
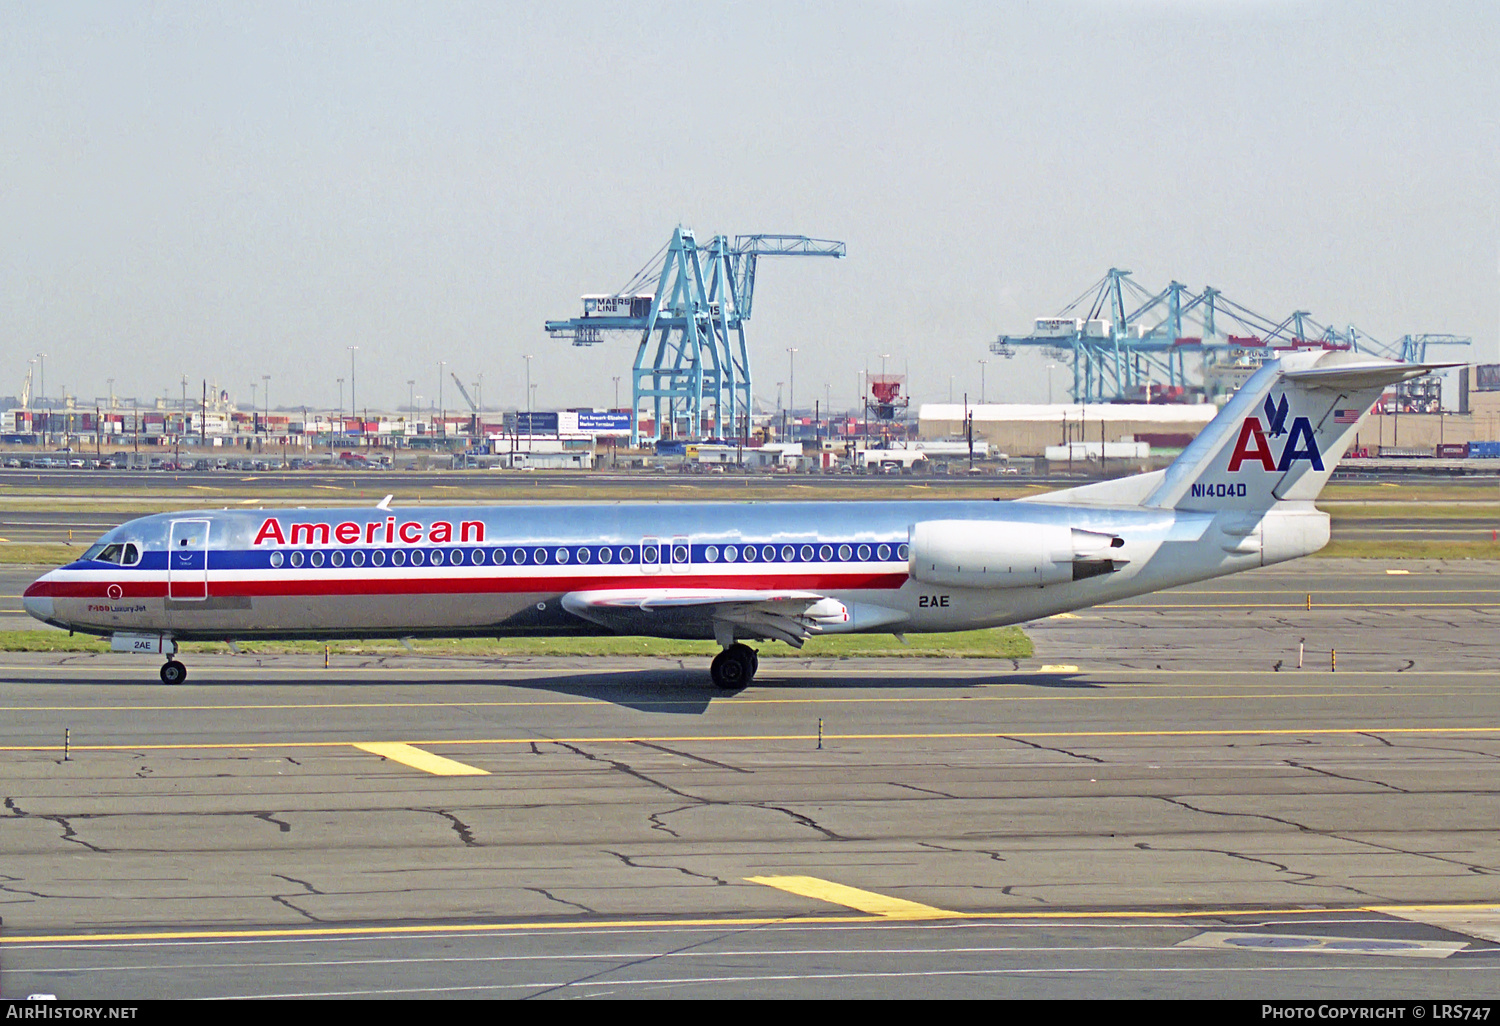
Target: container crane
{"x":690,"y":304}
{"x":1125,"y":343}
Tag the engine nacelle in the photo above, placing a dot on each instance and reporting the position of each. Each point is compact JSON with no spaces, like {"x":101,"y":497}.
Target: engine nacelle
{"x":990,"y":554}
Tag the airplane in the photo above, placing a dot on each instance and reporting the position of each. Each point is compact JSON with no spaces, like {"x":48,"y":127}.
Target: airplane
{"x":1239,"y":496}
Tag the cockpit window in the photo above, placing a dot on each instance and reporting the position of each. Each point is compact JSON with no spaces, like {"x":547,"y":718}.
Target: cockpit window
{"x":121,"y":554}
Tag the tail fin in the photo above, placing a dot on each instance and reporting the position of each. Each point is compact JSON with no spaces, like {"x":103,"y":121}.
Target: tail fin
{"x":1282,"y":434}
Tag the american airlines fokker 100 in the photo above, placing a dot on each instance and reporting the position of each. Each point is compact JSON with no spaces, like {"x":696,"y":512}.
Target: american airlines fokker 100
{"x":1240,"y":496}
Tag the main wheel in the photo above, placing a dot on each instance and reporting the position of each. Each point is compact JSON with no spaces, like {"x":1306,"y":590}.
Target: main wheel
{"x":733,"y":668}
{"x":173,"y":672}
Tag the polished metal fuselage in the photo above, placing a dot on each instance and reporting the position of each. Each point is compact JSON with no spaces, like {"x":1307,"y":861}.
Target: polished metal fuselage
{"x":495,"y":571}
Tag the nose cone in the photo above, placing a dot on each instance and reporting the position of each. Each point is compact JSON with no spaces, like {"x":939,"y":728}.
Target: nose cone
{"x":37,"y":599}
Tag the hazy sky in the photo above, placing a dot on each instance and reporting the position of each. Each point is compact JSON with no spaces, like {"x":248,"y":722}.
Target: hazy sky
{"x":227,"y":191}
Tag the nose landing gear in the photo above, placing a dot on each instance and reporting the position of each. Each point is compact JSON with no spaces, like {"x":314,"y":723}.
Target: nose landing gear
{"x":152,"y":644}
{"x":735,"y":667}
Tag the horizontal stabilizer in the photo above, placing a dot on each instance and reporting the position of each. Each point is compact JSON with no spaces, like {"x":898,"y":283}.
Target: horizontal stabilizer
{"x":1366,"y":374}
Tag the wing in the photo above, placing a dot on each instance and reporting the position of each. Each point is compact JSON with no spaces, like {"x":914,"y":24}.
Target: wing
{"x":726,"y":614}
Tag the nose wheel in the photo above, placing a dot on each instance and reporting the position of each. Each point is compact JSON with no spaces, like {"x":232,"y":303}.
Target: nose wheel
{"x":173,"y":672}
{"x":735,"y":667}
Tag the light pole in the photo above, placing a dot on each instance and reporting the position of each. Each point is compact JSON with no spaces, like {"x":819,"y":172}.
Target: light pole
{"x":442,"y":417}
{"x":265,"y":397}
{"x":41,"y":394}
{"x":255,"y":405}
{"x":981,"y":381}
{"x":1050,"y":368}
{"x":341,"y":398}
{"x":411,"y":395}
{"x":353,"y":404}
{"x":791,"y":400}
{"x":617,"y":391}
{"x":528,"y":404}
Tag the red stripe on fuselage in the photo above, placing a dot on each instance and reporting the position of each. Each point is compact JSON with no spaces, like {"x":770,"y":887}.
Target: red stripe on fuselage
{"x":288,"y":585}
{"x":129,"y":588}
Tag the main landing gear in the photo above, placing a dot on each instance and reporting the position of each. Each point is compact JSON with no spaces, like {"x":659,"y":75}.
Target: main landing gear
{"x":173,"y":672}
{"x":735,"y":667}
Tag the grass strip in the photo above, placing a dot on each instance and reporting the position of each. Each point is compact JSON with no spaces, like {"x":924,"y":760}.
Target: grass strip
{"x":40,"y":556}
{"x":1409,"y":550}
{"x":994,"y":643}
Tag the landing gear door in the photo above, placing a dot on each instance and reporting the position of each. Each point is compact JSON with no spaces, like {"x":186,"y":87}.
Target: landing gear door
{"x":187,"y":561}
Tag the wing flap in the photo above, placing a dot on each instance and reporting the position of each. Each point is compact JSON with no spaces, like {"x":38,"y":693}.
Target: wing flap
{"x":724,"y":614}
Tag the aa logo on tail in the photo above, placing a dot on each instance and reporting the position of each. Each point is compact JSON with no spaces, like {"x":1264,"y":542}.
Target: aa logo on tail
{"x":1254,"y":443}
{"x":1276,"y":416}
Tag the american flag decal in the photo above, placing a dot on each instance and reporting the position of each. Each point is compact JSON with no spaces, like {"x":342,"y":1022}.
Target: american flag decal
{"x":1346,"y":416}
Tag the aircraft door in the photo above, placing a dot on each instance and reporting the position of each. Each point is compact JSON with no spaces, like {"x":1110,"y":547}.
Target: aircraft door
{"x":651,"y":555}
{"x":187,"y":561}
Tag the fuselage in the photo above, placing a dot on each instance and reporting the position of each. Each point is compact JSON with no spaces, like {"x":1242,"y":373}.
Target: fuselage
{"x":498,"y":571}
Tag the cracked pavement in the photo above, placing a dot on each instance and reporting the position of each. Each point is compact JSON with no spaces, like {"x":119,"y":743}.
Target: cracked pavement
{"x":1176,"y":768}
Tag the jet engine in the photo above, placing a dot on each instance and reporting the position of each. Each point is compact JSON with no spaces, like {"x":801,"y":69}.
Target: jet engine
{"x":996,"y":554}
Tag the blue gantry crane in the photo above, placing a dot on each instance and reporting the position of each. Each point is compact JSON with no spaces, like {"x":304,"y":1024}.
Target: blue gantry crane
{"x":1124,"y":342}
{"x":689,"y":304}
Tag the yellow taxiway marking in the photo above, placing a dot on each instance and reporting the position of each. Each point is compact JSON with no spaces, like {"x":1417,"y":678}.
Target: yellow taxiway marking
{"x":1057,"y":668}
{"x":853,"y":897}
{"x":1398,"y":573}
{"x":293,"y":933}
{"x":418,"y":759}
{"x":712,"y":738}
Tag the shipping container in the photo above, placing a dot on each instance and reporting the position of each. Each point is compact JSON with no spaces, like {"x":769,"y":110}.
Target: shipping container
{"x":1453,"y":451}
{"x":1165,"y":440}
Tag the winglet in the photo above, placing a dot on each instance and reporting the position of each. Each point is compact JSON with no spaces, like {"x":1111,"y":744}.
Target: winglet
{"x":385,"y":503}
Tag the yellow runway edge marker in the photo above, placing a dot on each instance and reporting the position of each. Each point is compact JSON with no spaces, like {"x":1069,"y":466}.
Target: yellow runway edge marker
{"x":853,"y":897}
{"x":418,"y":759}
